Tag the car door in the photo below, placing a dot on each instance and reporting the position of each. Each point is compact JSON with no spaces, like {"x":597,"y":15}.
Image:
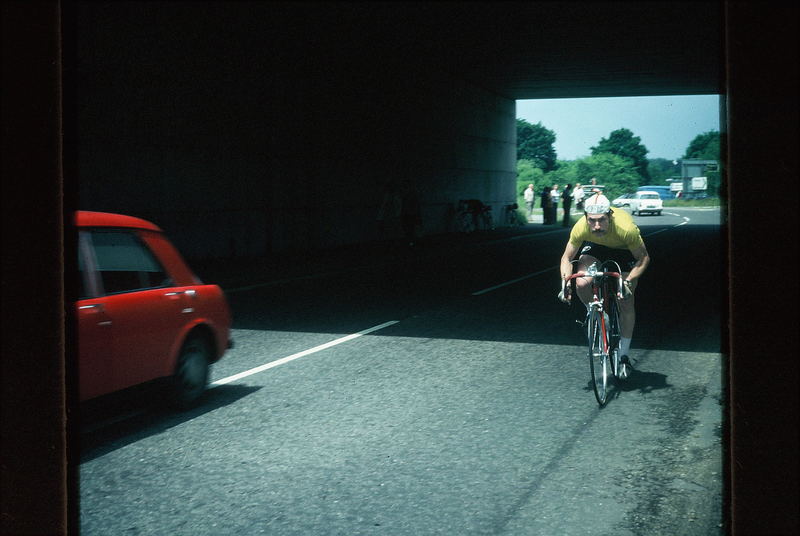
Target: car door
{"x":147,"y":314}
{"x":95,"y":355}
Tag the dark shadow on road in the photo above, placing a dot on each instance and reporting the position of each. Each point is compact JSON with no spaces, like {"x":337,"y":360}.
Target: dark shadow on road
{"x":681,"y":303}
{"x":113,"y":422}
{"x":644,"y":382}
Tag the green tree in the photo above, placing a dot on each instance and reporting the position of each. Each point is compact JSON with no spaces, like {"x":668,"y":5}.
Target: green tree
{"x":535,"y":143}
{"x":704,"y":146}
{"x":623,"y":143}
{"x":617,"y":174}
{"x":661,"y":169}
{"x":565,"y":173}
{"x":528,"y":173}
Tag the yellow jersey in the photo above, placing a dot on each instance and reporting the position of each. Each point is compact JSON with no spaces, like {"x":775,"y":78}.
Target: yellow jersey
{"x":622,"y":233}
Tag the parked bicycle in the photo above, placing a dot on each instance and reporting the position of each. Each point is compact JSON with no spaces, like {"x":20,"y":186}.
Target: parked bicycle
{"x":472,"y":214}
{"x":602,"y":326}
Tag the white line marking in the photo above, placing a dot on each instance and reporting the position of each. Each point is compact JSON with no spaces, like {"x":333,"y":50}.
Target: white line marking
{"x":298,"y":355}
{"x":517,"y":280}
{"x":288,"y":280}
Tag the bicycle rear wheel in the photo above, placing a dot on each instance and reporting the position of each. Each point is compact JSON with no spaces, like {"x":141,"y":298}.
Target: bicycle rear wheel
{"x":599,"y":361}
{"x":620,"y":369}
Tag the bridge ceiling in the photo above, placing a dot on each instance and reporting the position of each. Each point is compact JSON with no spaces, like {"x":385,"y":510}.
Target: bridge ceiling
{"x":527,"y":50}
{"x":521,"y":50}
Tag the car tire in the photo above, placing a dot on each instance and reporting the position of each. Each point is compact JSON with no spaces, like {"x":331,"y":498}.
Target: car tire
{"x":191,"y":372}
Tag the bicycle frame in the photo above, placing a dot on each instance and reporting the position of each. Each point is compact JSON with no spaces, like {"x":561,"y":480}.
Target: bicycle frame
{"x":602,"y":337}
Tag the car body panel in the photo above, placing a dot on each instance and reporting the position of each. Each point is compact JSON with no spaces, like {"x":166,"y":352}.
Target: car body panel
{"x":622,"y":201}
{"x":85,"y":218}
{"x":139,"y":302}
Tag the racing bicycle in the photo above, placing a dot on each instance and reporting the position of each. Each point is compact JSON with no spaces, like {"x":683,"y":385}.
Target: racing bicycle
{"x":603,"y":326}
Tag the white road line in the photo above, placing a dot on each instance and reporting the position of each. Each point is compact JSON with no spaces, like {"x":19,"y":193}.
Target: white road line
{"x":684,"y":222}
{"x":540,"y":272}
{"x":298,"y":355}
{"x":288,"y":280}
{"x":517,"y":280}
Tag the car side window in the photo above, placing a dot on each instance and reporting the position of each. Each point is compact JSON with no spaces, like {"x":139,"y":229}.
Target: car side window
{"x":125,"y":263}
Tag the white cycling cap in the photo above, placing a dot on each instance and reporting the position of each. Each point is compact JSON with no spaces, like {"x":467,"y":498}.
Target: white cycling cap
{"x":597,"y":204}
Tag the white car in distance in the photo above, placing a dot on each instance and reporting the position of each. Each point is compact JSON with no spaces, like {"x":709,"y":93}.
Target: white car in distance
{"x":622,"y":201}
{"x":646,"y":202}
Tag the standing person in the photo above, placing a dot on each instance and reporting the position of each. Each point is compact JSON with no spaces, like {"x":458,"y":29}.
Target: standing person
{"x":554,"y":204}
{"x":577,"y":195}
{"x":544,"y":198}
{"x":529,"y":196}
{"x":410,"y":211}
{"x":566,"y":202}
{"x":602,"y":235}
{"x":389,"y":211}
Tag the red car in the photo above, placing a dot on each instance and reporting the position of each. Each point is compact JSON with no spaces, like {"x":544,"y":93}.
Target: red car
{"x":142,"y":314}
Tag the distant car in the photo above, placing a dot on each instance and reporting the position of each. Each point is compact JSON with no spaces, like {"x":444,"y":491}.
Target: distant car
{"x":646,"y":201}
{"x":622,"y":201}
{"x":142,"y":314}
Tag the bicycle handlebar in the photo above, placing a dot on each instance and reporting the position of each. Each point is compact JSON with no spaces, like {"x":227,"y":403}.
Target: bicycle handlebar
{"x":576,"y":275}
{"x":594,"y":274}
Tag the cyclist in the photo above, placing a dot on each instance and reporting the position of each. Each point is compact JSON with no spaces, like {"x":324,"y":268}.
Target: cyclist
{"x":602,"y":235}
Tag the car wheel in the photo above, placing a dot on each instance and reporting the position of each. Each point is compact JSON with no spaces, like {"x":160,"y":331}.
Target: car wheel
{"x":191,"y":373}
{"x":658,"y":213}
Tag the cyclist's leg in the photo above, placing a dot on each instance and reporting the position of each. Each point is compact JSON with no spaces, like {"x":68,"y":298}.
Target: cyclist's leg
{"x":583,"y":285}
{"x":627,"y":312}
{"x":627,"y":309}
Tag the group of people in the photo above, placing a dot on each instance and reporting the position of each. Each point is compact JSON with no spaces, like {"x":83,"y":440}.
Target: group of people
{"x":549,"y":199}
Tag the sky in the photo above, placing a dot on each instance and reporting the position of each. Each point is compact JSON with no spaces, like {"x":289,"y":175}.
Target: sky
{"x":666,"y":125}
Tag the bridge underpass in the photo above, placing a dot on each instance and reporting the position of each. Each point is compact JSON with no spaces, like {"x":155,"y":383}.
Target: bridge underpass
{"x":757,"y":78}
{"x":247,"y":129}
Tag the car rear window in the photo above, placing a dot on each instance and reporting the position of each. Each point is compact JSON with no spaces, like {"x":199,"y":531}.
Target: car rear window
{"x":651,"y":196}
{"x":125,"y":263}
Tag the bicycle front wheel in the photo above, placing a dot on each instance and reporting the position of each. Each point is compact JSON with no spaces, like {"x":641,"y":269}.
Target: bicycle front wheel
{"x":599,"y":361}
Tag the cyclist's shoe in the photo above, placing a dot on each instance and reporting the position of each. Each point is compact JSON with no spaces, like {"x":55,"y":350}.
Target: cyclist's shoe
{"x":626,"y":367}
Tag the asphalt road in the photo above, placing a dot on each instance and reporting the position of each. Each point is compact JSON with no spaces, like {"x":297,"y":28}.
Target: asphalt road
{"x":440,"y":389}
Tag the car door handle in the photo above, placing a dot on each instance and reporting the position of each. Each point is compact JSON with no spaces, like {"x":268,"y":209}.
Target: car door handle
{"x":188,"y":292}
{"x":98,"y":308}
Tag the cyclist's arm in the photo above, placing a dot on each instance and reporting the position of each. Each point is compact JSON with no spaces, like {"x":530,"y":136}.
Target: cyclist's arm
{"x":566,"y":260}
{"x":642,"y":262}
